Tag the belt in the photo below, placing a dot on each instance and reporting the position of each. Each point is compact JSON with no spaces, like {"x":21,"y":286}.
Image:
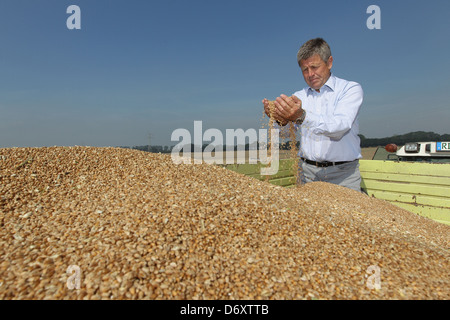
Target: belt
{"x":324,"y":164}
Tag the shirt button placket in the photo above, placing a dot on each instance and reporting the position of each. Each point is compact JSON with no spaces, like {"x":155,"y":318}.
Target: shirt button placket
{"x":318,"y":107}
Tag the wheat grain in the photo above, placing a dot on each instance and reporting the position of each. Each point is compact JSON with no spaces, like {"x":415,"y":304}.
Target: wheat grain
{"x":140,"y":227}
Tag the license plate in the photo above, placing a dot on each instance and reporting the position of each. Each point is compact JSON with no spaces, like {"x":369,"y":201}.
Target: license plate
{"x":443,"y":146}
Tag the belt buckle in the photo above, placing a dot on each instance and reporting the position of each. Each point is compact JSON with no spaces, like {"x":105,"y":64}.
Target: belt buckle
{"x":329,"y":164}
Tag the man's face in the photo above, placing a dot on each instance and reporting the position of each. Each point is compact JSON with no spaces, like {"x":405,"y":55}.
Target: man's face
{"x":316,"y":71}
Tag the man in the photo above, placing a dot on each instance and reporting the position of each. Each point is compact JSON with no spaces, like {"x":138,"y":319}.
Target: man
{"x":326,"y":112}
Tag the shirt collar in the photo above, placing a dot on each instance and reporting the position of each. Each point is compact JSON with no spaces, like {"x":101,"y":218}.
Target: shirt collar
{"x":331,"y":82}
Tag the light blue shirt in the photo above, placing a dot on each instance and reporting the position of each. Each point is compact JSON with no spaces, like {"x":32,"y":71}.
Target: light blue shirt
{"x":330,"y":129}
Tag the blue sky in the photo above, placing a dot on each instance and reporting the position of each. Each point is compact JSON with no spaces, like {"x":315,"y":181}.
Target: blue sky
{"x":140,"y":69}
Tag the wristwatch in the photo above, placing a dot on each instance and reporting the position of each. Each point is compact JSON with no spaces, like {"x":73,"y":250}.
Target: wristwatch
{"x":300,"y":119}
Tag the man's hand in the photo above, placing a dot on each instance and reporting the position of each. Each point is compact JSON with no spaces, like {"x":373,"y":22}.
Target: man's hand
{"x":288,"y":108}
{"x":266,"y":107}
{"x":275,"y":116}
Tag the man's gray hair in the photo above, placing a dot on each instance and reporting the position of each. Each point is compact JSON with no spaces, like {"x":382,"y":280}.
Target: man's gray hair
{"x":312,"y":47}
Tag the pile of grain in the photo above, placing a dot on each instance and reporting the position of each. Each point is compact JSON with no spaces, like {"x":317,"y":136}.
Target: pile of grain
{"x":139,"y":227}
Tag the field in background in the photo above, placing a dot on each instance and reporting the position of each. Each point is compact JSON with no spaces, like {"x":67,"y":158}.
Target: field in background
{"x":368,"y":153}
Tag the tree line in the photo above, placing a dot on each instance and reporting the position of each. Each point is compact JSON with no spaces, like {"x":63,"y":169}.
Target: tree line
{"x":417,"y":136}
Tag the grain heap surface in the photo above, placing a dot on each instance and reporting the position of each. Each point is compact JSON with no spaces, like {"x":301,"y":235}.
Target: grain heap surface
{"x":140,"y":227}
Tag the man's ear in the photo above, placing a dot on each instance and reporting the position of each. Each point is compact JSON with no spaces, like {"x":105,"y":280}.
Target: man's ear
{"x":330,"y":62}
